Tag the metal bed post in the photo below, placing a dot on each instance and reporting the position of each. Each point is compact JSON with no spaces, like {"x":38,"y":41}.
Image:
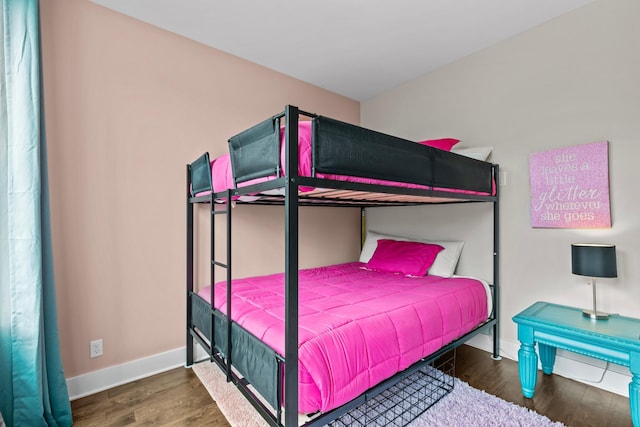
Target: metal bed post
{"x":496,"y":265}
{"x":229,"y":321}
{"x":363,"y":226}
{"x":212,"y":272}
{"x":189,"y":268}
{"x":291,"y":268}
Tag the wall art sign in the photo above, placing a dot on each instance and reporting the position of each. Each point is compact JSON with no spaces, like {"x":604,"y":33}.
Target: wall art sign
{"x":570,"y":187}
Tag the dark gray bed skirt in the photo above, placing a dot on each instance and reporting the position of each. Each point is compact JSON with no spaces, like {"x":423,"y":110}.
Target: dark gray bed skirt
{"x":253,"y":359}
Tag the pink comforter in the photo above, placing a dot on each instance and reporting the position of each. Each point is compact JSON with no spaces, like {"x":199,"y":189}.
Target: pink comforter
{"x":222,"y":177}
{"x":356,"y":327}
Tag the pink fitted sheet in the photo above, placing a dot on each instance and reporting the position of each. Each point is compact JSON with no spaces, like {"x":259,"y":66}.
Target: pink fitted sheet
{"x":356,"y":327}
{"x":222,"y":176}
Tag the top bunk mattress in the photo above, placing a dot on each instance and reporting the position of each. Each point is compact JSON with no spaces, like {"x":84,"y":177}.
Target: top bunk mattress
{"x":357,"y":327}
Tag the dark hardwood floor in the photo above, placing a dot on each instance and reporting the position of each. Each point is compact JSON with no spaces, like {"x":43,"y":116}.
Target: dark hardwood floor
{"x":178,"y":398}
{"x":172,"y":398}
{"x":560,"y":399}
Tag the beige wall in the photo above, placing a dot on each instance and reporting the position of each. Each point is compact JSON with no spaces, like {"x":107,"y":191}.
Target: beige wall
{"x":573,"y":80}
{"x":127,"y":106}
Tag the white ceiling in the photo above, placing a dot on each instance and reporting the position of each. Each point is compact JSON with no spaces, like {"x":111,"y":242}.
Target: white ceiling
{"x":357,"y":48}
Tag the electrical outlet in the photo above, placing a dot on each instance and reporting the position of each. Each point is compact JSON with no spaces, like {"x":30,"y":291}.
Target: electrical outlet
{"x":95,"y":348}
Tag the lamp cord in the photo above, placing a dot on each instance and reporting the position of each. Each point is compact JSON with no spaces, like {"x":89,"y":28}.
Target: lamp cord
{"x":604,"y":371}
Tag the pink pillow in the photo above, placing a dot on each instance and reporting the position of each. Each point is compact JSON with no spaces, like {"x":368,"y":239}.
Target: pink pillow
{"x":442,"y":144}
{"x":221,"y":176}
{"x":409,"y":258}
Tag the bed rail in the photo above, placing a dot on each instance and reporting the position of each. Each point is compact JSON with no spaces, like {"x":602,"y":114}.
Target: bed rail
{"x":256,"y":151}
{"x":344,"y":149}
{"x":200,"y":174}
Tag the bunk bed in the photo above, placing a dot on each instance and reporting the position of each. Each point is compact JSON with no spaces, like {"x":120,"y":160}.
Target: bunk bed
{"x":333,"y":164}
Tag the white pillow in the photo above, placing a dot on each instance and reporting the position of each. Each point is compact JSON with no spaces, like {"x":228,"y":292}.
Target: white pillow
{"x":444,"y":265}
{"x":478,"y":153}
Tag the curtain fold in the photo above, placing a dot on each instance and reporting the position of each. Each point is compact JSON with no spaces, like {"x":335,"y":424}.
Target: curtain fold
{"x":33,"y":389}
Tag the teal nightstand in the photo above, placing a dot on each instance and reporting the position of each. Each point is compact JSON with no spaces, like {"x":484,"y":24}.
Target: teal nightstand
{"x":552,"y":326}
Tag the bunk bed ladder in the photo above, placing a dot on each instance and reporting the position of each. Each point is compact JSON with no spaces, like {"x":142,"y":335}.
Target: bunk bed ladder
{"x":228,"y":205}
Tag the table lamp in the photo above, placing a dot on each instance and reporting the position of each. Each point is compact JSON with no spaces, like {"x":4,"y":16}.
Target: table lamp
{"x":594,"y":260}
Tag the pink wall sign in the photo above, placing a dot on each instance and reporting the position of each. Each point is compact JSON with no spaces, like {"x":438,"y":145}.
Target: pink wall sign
{"x":570,"y":187}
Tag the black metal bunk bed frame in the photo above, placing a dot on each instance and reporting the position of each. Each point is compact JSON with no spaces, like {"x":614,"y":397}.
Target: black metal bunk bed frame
{"x":222,"y":339}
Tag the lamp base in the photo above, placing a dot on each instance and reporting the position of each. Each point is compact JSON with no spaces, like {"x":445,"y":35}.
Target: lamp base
{"x":595,"y":315}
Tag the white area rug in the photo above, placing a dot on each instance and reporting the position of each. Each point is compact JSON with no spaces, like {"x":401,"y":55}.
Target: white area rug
{"x":464,"y":406}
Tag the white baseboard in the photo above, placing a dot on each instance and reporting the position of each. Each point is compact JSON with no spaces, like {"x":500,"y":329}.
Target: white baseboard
{"x":104,"y":379}
{"x":587,"y":370}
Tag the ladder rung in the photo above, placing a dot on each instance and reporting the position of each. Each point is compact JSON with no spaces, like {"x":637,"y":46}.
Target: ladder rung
{"x":219,"y":264}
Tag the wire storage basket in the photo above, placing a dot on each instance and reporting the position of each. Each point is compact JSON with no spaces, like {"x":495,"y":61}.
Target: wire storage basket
{"x":407,"y":400}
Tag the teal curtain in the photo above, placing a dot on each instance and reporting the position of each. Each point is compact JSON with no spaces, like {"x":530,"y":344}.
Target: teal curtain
{"x":33,"y":390}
